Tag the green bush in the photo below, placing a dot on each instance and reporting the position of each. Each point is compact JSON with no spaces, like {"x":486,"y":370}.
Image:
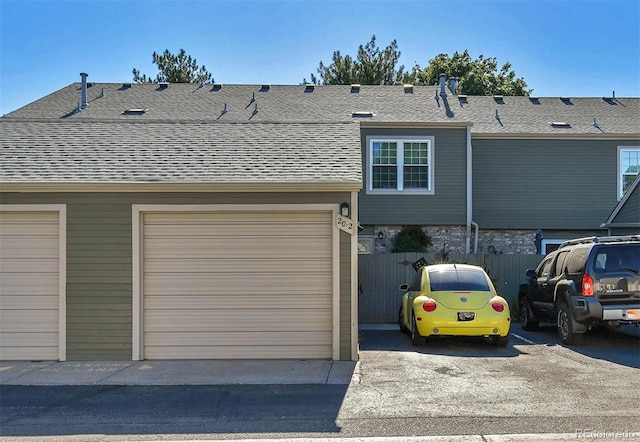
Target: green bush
{"x":411,"y":239}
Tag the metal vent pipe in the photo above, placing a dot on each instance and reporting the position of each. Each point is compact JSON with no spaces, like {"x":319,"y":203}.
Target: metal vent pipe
{"x":83,"y":102}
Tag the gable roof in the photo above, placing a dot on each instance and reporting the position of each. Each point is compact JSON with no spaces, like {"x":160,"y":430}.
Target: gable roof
{"x":376,"y":105}
{"x":627,"y":211}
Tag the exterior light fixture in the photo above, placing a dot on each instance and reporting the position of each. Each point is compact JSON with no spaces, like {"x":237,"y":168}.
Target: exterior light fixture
{"x":344,"y":209}
{"x":380,"y":234}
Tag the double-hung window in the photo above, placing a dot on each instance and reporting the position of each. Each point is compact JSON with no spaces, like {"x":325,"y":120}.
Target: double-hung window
{"x":400,"y":165}
{"x":628,"y":167}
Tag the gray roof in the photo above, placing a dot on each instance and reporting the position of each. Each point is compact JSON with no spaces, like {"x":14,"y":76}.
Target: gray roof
{"x":517,"y":116}
{"x":263,"y":154}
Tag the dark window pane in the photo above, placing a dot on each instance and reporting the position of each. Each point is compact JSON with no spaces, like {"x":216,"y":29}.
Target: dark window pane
{"x":458,"y":280}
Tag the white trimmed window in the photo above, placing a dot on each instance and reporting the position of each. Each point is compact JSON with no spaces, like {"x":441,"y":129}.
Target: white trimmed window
{"x":400,"y":165}
{"x":628,"y":167}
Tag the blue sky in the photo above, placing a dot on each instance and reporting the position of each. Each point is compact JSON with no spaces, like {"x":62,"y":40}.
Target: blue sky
{"x":561,"y":47}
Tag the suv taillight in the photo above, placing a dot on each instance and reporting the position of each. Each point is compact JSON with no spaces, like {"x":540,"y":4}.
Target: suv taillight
{"x":587,"y":285}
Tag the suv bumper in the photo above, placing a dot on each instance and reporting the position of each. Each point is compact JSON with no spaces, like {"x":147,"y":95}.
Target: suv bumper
{"x":589,"y":311}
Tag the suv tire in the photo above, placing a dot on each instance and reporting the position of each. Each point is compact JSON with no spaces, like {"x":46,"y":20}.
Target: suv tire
{"x":526,"y":315}
{"x":566,"y":327}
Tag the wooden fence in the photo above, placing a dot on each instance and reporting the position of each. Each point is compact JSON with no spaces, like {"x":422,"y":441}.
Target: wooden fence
{"x":380,"y":276}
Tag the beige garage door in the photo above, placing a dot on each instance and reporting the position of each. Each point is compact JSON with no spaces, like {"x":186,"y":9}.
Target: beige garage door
{"x":237,"y":285}
{"x":29,"y":285}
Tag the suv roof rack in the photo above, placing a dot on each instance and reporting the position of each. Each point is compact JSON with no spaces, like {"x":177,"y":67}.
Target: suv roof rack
{"x":599,"y":239}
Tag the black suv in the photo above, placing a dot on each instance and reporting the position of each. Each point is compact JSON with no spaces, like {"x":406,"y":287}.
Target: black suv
{"x":586,"y":282}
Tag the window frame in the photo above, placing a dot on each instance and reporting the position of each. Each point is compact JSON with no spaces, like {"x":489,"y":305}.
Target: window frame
{"x":621,"y":151}
{"x":400,"y":140}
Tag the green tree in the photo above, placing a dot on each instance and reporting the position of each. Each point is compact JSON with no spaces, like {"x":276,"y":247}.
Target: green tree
{"x":475,"y":77}
{"x":371,"y":66}
{"x":411,"y":239}
{"x":180,"y":68}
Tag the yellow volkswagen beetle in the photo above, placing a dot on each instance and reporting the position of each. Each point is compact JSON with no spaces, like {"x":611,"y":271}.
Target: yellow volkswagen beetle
{"x":453,"y":300}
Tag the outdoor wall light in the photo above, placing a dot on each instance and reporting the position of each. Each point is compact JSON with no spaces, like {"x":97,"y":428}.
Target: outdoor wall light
{"x":380,"y":234}
{"x":344,"y":209}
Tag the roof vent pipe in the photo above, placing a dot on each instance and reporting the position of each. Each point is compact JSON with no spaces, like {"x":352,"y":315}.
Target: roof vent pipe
{"x":83,"y":103}
{"x":443,"y":80}
{"x":453,"y":84}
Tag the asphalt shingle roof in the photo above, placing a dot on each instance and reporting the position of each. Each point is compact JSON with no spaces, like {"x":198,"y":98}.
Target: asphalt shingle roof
{"x":388,"y":104}
{"x":261,"y":134}
{"x":156,"y":152}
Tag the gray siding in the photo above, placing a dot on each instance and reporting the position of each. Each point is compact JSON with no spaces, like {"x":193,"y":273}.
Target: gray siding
{"x":446,"y":206}
{"x":99,"y":271}
{"x":630,"y":212}
{"x":544,"y":184}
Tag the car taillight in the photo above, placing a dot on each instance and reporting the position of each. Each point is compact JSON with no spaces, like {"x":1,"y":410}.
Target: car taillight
{"x":497,"y":306}
{"x":587,"y":285}
{"x":429,"y":306}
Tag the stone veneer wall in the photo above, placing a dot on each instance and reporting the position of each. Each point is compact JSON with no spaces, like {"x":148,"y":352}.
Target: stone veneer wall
{"x":453,"y":239}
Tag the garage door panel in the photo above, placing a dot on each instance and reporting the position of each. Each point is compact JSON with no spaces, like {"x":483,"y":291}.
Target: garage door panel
{"x":225,"y":302}
{"x":39,"y":284}
{"x":25,"y":321}
{"x":316,"y":320}
{"x":238,"y":284}
{"x":26,"y":302}
{"x":240,"y":352}
{"x":245,"y":217}
{"x":237,"y":338}
{"x":238,"y":229}
{"x":276,"y":248}
{"x":23,"y":353}
{"x":25,"y":265}
{"x":29,"y":284}
{"x":242,"y":283}
{"x":226,"y":265}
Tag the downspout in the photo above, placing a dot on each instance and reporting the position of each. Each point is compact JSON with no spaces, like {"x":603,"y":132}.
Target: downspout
{"x":475,"y":238}
{"x":470,"y":194}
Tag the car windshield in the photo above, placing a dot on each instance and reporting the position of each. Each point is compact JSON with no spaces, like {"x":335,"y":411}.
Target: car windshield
{"x":456,"y":279}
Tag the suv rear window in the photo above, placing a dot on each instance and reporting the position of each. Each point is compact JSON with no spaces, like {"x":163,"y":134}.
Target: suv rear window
{"x":458,"y":280}
{"x":620,"y":257}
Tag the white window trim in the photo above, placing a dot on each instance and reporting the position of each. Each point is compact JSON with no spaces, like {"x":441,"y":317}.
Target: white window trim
{"x":400,"y":140}
{"x":619,"y":162}
{"x":546,"y":242}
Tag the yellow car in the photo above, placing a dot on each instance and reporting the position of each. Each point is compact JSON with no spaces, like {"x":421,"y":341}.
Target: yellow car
{"x":453,"y":300}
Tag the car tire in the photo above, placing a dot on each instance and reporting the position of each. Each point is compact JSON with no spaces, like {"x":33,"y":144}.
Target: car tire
{"x":403,"y":328}
{"x":566,"y":327}
{"x":500,"y":341}
{"x":526,"y":315}
{"x":416,"y":338}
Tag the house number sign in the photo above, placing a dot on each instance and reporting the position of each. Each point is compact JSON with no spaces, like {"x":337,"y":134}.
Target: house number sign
{"x":345,"y":224}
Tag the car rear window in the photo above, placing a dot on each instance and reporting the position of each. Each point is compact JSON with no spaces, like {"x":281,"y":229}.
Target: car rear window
{"x":611,"y":259}
{"x":458,"y":280}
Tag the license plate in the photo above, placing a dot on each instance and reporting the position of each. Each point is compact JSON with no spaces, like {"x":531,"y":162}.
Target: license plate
{"x":466,"y":316}
{"x":633,"y":314}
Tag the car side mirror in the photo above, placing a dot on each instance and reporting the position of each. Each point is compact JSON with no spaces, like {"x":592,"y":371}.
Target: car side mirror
{"x":404,"y":287}
{"x":531,"y":273}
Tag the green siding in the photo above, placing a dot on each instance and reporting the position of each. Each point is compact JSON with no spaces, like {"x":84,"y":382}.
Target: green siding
{"x":99,"y":268}
{"x":544,"y":184}
{"x":630,"y":212}
{"x":446,"y":206}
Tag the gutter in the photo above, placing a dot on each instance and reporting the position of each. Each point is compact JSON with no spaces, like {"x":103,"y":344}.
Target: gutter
{"x":470,"y":193}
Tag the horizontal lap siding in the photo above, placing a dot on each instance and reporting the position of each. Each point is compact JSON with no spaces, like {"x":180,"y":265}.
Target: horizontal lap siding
{"x":210,"y":279}
{"x":29,"y":285}
{"x":99,"y":269}
{"x":544,"y":184}
{"x":446,"y":206}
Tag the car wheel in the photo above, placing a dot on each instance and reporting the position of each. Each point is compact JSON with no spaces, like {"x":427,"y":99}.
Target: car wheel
{"x":500,"y":341}
{"x":403,"y":328}
{"x":566,"y":327}
{"x":416,"y":338}
{"x":526,"y":314}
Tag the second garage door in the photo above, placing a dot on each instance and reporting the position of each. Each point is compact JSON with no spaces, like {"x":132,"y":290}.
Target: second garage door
{"x":237,"y":284}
